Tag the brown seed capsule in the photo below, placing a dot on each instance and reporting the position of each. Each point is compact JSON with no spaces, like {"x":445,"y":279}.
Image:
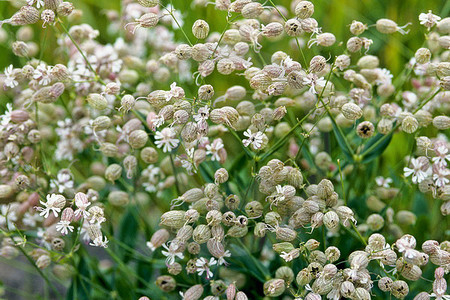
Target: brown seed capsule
{"x":293,"y":27}
{"x":399,"y":289}
{"x":365,"y":129}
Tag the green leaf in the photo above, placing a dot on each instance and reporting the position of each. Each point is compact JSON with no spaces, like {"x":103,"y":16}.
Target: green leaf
{"x":128,"y":231}
{"x":375,"y":147}
{"x":80,"y":289}
{"x":341,"y":140}
{"x":249,"y":263}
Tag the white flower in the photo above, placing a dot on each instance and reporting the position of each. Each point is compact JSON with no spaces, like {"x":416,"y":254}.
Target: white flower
{"x":171,"y":253}
{"x":313,"y":81}
{"x":221,"y":260}
{"x":6,"y":118}
{"x":7,"y":217}
{"x":82,"y":203}
{"x":214,"y":148}
{"x":99,"y":242}
{"x":418,"y":175}
{"x":31,"y":219}
{"x":64,"y":227}
{"x":384,"y":76}
{"x":203,"y":266}
{"x":384,"y":182}
{"x":202,"y":114}
{"x":166,"y":139}
{"x":39,"y":3}
{"x":254,"y":139}
{"x":10,"y":80}
{"x":42,"y":74}
{"x":428,"y":19}
{"x":175,"y":92}
{"x":52,"y":205}
{"x":188,"y":163}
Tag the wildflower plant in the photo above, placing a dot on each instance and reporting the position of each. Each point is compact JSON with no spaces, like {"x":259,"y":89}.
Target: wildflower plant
{"x":252,"y":154}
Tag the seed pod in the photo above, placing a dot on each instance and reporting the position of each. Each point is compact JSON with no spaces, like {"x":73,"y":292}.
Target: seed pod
{"x":241,"y":296}
{"x":274,"y":287}
{"x":286,"y":274}
{"x":317,"y":64}
{"x":166,"y":283}
{"x":232,"y":202}
{"x":410,"y":124}
{"x":422,"y":296}
{"x":361,"y":294}
{"x":20,"y":49}
{"x":43,"y":261}
{"x":304,"y":9}
{"x":48,"y":16}
{"x":272,"y":29}
{"x":65,"y":9}
{"x":399,"y":289}
{"x":422,"y":55}
{"x":97,"y":101}
{"x":354,"y":44}
{"x":237,"y":231}
{"x":293,"y":27}
{"x":322,"y":286}
{"x":285,"y":234}
{"x":365,"y":129}
{"x":225,"y":66}
{"x":254,"y":209}
{"x":387,"y":26}
{"x":332,"y":253}
{"x":113,"y":172}
{"x":173,"y":218}
{"x":108,"y":149}
{"x":158,"y":238}
{"x":385,"y":284}
{"x":118,"y":198}
{"x":441,"y":122}
{"x":201,"y":234}
{"x":148,"y":3}
{"x":351,"y":111}
{"x":252,"y":10}
{"x":148,"y":20}
{"x":357,"y":28}
{"x":200,"y":29}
